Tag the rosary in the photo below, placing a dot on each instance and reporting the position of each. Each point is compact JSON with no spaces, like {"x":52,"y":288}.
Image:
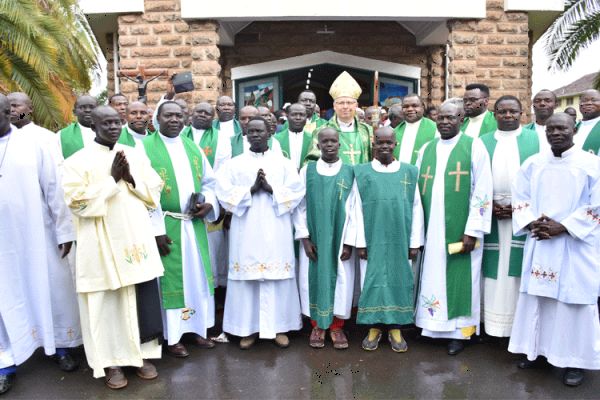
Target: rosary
{"x":4,"y":155}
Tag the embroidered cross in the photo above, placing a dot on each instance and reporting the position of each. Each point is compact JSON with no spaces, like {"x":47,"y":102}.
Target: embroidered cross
{"x":342,"y":186}
{"x":457,"y":173}
{"x":207,"y":150}
{"x":165,"y":179}
{"x":70,"y":333}
{"x":405,"y":182}
{"x":197,"y":167}
{"x":426,"y":177}
{"x":351,"y":153}
{"x":520,"y":207}
{"x":595,"y":217}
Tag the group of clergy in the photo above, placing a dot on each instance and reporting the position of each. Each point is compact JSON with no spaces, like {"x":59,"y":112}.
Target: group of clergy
{"x":408,"y":223}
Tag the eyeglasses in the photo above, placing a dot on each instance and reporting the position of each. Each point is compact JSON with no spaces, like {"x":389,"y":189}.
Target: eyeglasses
{"x":346,"y":103}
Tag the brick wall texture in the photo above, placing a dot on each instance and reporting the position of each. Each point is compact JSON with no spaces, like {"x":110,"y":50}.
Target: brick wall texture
{"x":495,"y":51}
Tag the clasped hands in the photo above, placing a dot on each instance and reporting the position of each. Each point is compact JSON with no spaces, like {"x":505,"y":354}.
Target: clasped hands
{"x":545,"y":228}
{"x":502,"y":212}
{"x":261,"y":183}
{"x":120,"y":169}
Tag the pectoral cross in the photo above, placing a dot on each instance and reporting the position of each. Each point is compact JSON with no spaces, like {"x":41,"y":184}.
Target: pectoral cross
{"x":351,"y":153}
{"x":405,"y":182}
{"x":426,"y":177}
{"x":342,"y":186}
{"x":457,"y":175}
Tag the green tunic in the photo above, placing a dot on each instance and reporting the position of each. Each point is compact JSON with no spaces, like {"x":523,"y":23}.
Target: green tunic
{"x":71,"y":140}
{"x":387,"y":205}
{"x":326,"y":214}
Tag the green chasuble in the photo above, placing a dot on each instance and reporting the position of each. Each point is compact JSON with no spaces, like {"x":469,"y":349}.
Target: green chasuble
{"x":528,"y":144}
{"x":425,"y":133}
{"x":592,"y":142}
{"x":457,"y":191}
{"x":387,"y":205}
{"x":237,"y":144}
{"x":237,"y":128}
{"x":171,"y":283}
{"x":208,"y":142}
{"x":488,"y":125}
{"x":355,"y":147}
{"x":71,"y":140}
{"x":284,"y":141}
{"x":326,"y":213}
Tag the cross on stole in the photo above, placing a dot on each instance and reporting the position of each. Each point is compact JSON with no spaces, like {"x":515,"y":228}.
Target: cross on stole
{"x":405,"y":182}
{"x":426,"y":177}
{"x":351,"y":153}
{"x":342,"y":186}
{"x":457,"y":173}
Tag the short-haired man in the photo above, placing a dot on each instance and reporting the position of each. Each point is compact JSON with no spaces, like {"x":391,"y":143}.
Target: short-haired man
{"x":478,"y":120}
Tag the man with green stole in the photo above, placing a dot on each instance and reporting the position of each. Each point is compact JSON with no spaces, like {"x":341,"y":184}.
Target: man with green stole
{"x":414,"y":132}
{"x":508,"y":148}
{"x":239,"y":143}
{"x":455,"y":183}
{"x":389,"y":226}
{"x":78,"y":134}
{"x":308,"y":99}
{"x":294,"y":140}
{"x":136,"y":129}
{"x":216,"y":148}
{"x":544,"y":103}
{"x":261,"y":189}
{"x":355,"y":136}
{"x":187,"y":199}
{"x":479,"y":120}
{"x":324,"y":222}
{"x":588,"y":130}
{"x":226,"y":122}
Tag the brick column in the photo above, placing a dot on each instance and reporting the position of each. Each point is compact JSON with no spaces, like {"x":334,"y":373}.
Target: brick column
{"x":160,"y":39}
{"x":494,"y":51}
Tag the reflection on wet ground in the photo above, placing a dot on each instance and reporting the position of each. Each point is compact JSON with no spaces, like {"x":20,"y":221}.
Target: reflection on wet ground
{"x":483,"y":370}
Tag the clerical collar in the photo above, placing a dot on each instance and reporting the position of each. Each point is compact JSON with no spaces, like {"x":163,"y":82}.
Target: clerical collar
{"x":106,"y":146}
{"x":452,"y":140}
{"x":83,"y":127}
{"x":573,"y":149}
{"x":135,"y":134}
{"x":382,"y":164}
{"x":515,"y":132}
{"x":592,"y":121}
{"x":478,"y":117}
{"x":260,"y":154}
{"x":329,"y":165}
{"x":230,"y":122}
{"x":414,"y":123}
{"x":296,"y":133}
{"x":169,"y":139}
{"x":199,"y":130}
{"x":343,"y":124}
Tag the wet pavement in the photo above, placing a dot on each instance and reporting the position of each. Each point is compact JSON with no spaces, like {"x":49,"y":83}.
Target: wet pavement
{"x":482,"y":370}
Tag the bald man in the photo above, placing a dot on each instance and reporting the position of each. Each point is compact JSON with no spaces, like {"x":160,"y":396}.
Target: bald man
{"x":226,"y":121}
{"x":588,"y":130}
{"x":79,"y":134}
{"x":544,"y":103}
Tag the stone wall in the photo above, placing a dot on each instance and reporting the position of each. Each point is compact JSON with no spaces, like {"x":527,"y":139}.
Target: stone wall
{"x":160,"y":39}
{"x":494,"y":51}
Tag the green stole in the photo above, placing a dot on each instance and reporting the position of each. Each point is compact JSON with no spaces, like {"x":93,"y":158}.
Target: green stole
{"x":528,"y":144}
{"x":171,"y":283}
{"x":488,"y":125}
{"x":530,"y":126}
{"x":326,"y":213}
{"x":425,"y":133}
{"x":592,"y":142}
{"x":456,"y":207}
{"x":71,"y":140}
{"x":237,"y":145}
{"x":127,"y":139}
{"x":387,"y":205}
{"x":237,"y":128}
{"x":284,"y":140}
{"x":355,"y":147}
{"x":208,"y":142}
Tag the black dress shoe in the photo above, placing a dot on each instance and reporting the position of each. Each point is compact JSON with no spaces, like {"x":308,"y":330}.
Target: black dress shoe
{"x":66,"y":362}
{"x":6,"y":382}
{"x":455,"y":347}
{"x":573,"y":377}
{"x":527,"y":364}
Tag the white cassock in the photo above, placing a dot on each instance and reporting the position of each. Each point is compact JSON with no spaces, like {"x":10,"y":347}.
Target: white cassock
{"x":501,"y":294}
{"x":227,"y":127}
{"x":296,"y":141}
{"x":583,"y":131}
{"x":417,"y":230}
{"x":137,"y":138}
{"x":408,"y":141}
{"x":433,"y":272}
{"x":29,"y":187}
{"x":542,"y":139}
{"x":557,"y":313}
{"x":475,"y":125}
{"x":344,"y":284}
{"x":65,"y":312}
{"x":195,"y":286}
{"x":217,"y":238}
{"x":262,"y":294}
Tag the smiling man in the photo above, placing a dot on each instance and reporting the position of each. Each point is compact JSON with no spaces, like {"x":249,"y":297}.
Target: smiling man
{"x":389,"y":233}
{"x":414,"y":132}
{"x":78,"y":134}
{"x":261,"y":189}
{"x":478,"y":120}
{"x":588,"y":130}
{"x":508,"y":148}
{"x":294,"y":140}
{"x":111,"y":188}
{"x":556,"y":204}
{"x":455,"y":181}
{"x":136,"y":129}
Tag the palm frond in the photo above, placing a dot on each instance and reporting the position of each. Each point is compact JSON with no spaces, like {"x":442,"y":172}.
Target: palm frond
{"x":578,"y":37}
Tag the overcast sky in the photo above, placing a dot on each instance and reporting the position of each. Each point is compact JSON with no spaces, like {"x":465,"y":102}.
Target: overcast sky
{"x":586,"y":62}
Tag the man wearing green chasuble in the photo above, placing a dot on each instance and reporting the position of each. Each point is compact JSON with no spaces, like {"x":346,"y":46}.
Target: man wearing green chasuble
{"x":187,"y":201}
{"x":455,"y":183}
{"x":78,"y":134}
{"x":325,"y":224}
{"x":295,"y":141}
{"x":389,"y":231}
{"x":135,"y":131}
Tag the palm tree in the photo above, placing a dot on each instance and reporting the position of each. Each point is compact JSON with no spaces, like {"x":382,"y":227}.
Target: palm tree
{"x":576,"y":28}
{"x":48,"y":51}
